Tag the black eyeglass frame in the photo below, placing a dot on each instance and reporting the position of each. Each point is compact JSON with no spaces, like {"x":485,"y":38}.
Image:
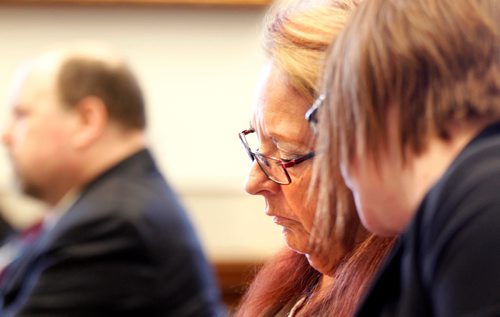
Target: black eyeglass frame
{"x":312,"y":114}
{"x":283,"y":163}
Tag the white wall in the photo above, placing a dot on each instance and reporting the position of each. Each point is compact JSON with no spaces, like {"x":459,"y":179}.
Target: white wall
{"x":198,"y":67}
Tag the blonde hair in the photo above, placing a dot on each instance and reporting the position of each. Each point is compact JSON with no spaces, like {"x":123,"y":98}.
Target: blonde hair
{"x":297,"y":37}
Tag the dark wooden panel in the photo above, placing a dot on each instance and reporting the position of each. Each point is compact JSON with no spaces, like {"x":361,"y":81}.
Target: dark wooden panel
{"x":234,"y":278}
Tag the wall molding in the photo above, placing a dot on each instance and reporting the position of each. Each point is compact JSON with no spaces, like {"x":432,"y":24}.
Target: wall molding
{"x":141,"y":2}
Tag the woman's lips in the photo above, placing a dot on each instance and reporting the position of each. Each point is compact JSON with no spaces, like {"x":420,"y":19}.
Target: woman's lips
{"x":279,"y":219}
{"x":282,"y":221}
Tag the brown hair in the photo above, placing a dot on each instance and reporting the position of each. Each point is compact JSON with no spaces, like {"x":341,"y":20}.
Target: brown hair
{"x":297,"y":37}
{"x":113,"y":83}
{"x":429,"y":63}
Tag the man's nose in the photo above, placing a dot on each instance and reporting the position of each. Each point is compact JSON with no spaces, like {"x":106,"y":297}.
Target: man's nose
{"x":7,"y":135}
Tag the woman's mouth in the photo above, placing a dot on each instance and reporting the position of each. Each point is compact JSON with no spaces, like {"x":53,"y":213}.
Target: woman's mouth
{"x":282,"y":221}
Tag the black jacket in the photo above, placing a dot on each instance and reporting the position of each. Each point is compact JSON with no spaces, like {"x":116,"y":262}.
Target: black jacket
{"x":447,"y":262}
{"x":124,"y":248}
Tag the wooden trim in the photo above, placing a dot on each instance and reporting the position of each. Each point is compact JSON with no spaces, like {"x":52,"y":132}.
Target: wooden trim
{"x":141,"y":2}
{"x":234,"y":279}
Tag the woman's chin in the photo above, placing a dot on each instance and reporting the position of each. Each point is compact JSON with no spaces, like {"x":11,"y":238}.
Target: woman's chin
{"x":296,"y":242}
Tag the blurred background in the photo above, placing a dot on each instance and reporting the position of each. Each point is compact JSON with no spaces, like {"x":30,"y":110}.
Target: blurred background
{"x":198,"y":64}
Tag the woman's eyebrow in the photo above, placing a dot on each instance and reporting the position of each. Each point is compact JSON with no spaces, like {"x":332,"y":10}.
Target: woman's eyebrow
{"x":288,"y":145}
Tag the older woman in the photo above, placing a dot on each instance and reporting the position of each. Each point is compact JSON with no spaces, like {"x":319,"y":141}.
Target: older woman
{"x":417,"y":131}
{"x":329,"y":260}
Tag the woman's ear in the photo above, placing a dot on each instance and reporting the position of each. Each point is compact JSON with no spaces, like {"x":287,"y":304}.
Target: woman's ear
{"x":92,"y":117}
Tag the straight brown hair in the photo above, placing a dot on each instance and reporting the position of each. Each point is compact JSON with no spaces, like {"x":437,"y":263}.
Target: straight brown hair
{"x":431,"y":62}
{"x":112,"y":82}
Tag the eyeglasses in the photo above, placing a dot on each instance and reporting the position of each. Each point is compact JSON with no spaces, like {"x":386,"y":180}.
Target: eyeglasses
{"x":312,"y":113}
{"x":275,"y":169}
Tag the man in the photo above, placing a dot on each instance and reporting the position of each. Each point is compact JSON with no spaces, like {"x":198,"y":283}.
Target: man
{"x":412,"y":115}
{"x":117,"y":242}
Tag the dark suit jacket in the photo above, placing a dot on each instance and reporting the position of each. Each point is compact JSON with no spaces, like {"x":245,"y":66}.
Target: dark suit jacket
{"x":124,"y":248}
{"x":6,"y":230}
{"x":447,"y":263}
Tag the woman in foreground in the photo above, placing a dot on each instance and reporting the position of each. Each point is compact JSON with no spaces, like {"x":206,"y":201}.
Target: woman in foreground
{"x":417,"y":134}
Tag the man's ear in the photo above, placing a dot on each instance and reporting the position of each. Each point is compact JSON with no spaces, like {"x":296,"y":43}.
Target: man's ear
{"x":92,"y":117}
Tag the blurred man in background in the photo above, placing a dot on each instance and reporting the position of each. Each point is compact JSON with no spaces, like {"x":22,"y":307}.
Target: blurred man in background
{"x":116,"y":241}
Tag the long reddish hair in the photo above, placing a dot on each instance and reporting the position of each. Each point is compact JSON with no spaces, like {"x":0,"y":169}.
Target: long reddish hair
{"x":297,"y":37}
{"x":288,"y":276}
{"x":276,"y":285}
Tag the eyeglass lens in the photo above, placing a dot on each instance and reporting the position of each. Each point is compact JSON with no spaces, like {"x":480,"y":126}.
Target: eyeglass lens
{"x":271,"y":167}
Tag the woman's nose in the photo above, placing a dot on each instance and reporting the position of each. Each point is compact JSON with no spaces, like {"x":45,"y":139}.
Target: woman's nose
{"x":257,"y":182}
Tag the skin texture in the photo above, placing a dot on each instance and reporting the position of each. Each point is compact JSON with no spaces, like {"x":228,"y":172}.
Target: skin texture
{"x":377,"y":194}
{"x":39,"y":131}
{"x":53,"y":146}
{"x":379,"y":188}
{"x":387,"y":194}
{"x":107,"y":250}
{"x":283,"y":133}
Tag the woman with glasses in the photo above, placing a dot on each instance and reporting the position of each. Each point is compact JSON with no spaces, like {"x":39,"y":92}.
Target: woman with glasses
{"x":329,"y":260}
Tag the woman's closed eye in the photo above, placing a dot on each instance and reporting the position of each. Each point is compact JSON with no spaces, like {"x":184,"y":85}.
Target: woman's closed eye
{"x":290,"y":151}
{"x":286,"y":156}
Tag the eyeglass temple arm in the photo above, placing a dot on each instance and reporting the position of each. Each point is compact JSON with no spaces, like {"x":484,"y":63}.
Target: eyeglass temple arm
{"x":297,"y":161}
{"x":311,"y":113}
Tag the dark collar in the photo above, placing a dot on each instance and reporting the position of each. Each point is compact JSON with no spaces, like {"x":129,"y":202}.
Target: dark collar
{"x":135,"y":164}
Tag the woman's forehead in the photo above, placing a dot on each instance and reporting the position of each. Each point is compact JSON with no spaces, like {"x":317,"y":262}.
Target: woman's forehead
{"x":279,"y":110}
